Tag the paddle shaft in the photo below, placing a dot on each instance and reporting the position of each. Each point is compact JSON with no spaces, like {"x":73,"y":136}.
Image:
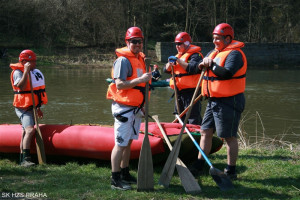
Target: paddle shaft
{"x":219,"y":177}
{"x":169,"y":166}
{"x":185,"y":110}
{"x":39,"y":139}
{"x":192,"y":101}
{"x":175,"y":90}
{"x":147,"y":99}
{"x":195,"y":142}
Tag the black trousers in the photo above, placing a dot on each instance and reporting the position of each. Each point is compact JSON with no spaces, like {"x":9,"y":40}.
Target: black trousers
{"x":184,"y":99}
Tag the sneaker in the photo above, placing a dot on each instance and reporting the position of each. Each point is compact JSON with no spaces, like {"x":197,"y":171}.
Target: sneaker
{"x":231,"y":176}
{"x":128,"y":178}
{"x":119,"y":185}
{"x":26,"y":163}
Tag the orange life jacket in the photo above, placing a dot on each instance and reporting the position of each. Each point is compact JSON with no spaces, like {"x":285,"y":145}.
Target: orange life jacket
{"x":23,"y":98}
{"x":182,"y":78}
{"x":213,"y":86}
{"x":133,"y":96}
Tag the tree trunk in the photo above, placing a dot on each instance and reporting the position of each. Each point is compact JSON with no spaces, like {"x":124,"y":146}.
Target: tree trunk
{"x":250,"y":20}
{"x":187,"y":16}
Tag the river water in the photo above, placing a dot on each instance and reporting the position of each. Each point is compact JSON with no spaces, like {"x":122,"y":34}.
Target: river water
{"x":76,"y":95}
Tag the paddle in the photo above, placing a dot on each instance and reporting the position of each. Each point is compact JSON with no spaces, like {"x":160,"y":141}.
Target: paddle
{"x":145,"y":181}
{"x":185,"y":110}
{"x":219,"y":177}
{"x":169,"y":166}
{"x":175,"y":90}
{"x":40,"y":150}
{"x":187,"y":179}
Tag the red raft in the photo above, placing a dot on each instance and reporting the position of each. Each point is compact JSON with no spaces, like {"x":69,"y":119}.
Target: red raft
{"x":97,"y":141}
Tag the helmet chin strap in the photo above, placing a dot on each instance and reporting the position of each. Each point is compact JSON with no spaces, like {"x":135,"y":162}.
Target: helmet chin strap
{"x":186,"y":46}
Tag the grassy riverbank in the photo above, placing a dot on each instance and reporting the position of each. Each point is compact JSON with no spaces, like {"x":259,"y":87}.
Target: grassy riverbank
{"x":72,"y":56}
{"x":263,"y":174}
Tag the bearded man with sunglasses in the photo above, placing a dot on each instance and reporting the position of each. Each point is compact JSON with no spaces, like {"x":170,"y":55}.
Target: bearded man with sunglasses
{"x":187,"y":74}
{"x":127,"y":91}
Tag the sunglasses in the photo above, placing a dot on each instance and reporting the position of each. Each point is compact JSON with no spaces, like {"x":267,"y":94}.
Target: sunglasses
{"x":178,"y":43}
{"x":136,"y":41}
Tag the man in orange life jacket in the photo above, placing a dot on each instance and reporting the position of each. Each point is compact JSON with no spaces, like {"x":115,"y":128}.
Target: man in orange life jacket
{"x":187,"y":74}
{"x":224,"y":86}
{"x":23,"y":102}
{"x":128,"y":94}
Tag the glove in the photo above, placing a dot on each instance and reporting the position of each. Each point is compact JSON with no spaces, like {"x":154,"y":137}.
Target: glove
{"x":172,"y":59}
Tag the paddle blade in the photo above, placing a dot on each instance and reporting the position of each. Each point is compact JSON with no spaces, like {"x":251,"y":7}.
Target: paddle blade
{"x":145,"y":181}
{"x":221,"y":179}
{"x":188,"y":181}
{"x":168,"y":170}
{"x":40,"y":149}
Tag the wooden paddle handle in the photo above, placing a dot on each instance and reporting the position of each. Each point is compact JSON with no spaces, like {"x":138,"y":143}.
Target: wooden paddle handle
{"x":185,"y":110}
{"x":175,"y":90}
{"x":155,"y":117}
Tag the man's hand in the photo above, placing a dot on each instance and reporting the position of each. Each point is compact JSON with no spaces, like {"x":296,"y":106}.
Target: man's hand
{"x":146,"y":77}
{"x":172,"y":59}
{"x":206,"y":62}
{"x":27,"y":67}
{"x":169,"y":66}
{"x":39,"y":113}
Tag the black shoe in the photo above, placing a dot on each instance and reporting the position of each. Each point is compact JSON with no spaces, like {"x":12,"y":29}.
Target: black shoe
{"x":231,"y":176}
{"x":196,"y":168}
{"x":127,"y":177}
{"x":194,"y":171}
{"x":119,"y":185}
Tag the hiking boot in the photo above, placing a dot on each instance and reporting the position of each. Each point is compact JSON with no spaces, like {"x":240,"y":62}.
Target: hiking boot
{"x":194,"y":171}
{"x":196,"y":168}
{"x":26,"y":163}
{"x":126,"y":177}
{"x":231,"y":176}
{"x":119,"y":185}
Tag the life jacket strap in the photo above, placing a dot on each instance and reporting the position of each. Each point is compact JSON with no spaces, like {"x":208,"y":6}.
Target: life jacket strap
{"x":219,"y":78}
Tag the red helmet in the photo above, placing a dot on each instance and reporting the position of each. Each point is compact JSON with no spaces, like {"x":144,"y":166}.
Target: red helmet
{"x":27,"y":55}
{"x":183,"y":37}
{"x":155,"y":66}
{"x":134,"y":32}
{"x":224,"y":29}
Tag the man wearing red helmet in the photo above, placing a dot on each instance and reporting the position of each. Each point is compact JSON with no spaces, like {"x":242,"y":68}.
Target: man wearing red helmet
{"x":23,"y":101}
{"x":187,"y":74}
{"x":127,"y":92}
{"x":224,"y":85}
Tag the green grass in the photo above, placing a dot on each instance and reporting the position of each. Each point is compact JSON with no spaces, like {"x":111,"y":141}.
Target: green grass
{"x":263,"y":174}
